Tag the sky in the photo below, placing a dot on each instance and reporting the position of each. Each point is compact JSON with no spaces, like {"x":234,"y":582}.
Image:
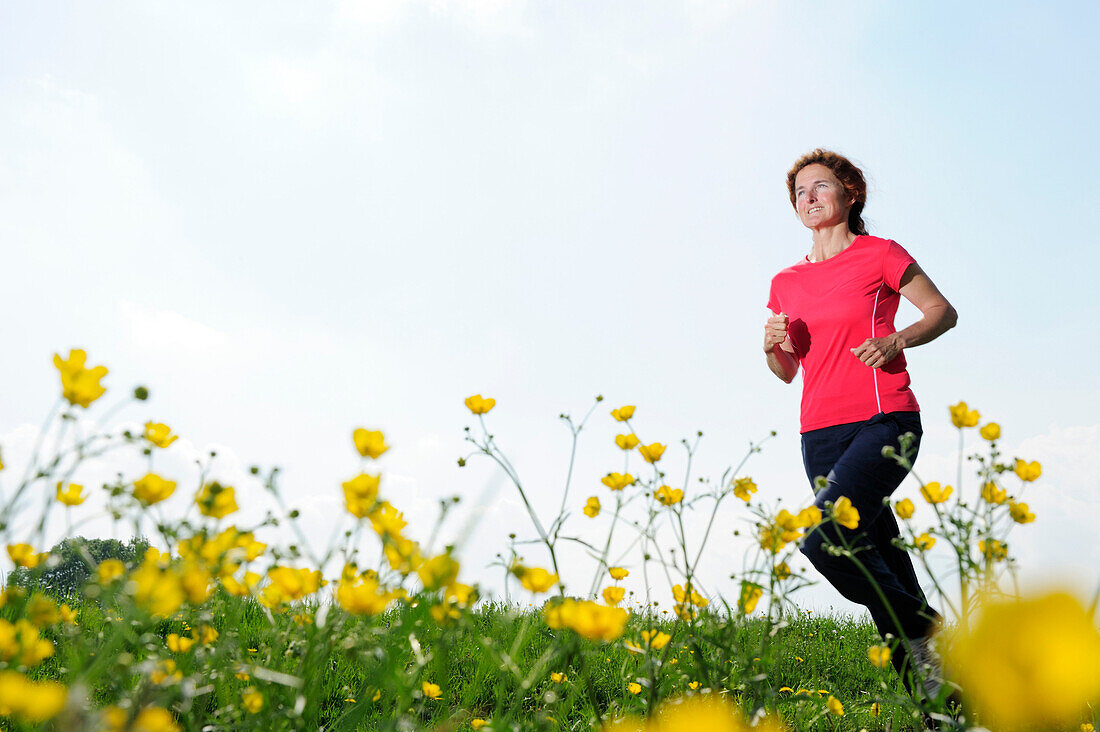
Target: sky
{"x":291,"y":220}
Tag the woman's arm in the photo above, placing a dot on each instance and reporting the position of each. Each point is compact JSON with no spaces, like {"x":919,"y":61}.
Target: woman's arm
{"x":781,"y":355}
{"x":938,"y":317}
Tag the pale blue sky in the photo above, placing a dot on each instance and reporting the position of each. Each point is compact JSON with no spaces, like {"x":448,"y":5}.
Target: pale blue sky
{"x":291,"y":220}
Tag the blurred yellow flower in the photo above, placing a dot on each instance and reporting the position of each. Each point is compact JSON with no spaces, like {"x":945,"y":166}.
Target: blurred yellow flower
{"x":42,"y":611}
{"x":21,"y":642}
{"x":964,"y":416}
{"x":613,"y":595}
{"x":535,"y":579}
{"x":835,"y":706}
{"x":652,"y":452}
{"x":288,"y":584}
{"x":1028,"y":471}
{"x":904,"y":508}
{"x":160,"y":435}
{"x":252,"y":700}
{"x":23,"y":555}
{"x":431,"y":690}
{"x":623,"y":413}
{"x":750,"y":595}
{"x":669,"y":496}
{"x":991,"y":493}
{"x":588,"y":619}
{"x":68,"y":615}
{"x":152,"y":489}
{"x":782,"y":571}
{"x":108,"y":570}
{"x":477,"y":405}
{"x":1020,"y":513}
{"x":178,"y":644}
{"x":879,"y":656}
{"x":655,"y":639}
{"x":155,"y":719}
{"x":709,"y":712}
{"x":618,"y":573}
{"x":1029,"y":664}
{"x":369,"y":443}
{"x":991,"y":431}
{"x":845,"y":514}
{"x":617,"y":481}
{"x":925,"y":541}
{"x":438,"y":572}
{"x":79,"y":385}
{"x":155,"y":589}
{"x":933,"y":493}
{"x":478,"y":723}
{"x":70,"y":495}
{"x":386,"y":520}
{"x":557,"y":678}
{"x":208,"y":635}
{"x":626,"y":442}
{"x":592,"y":507}
{"x":360,"y":494}
{"x":743,"y":488}
{"x":876,"y":709}
{"x":30,"y":701}
{"x":993,"y":550}
{"x":634,"y":687}
{"x":363,"y":596}
{"x":216,"y":500}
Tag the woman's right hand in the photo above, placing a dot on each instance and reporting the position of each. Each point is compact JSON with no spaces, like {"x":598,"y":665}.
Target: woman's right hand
{"x":775,"y":331}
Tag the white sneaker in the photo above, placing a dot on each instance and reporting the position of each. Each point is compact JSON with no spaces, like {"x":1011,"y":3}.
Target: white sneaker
{"x":925,"y":663}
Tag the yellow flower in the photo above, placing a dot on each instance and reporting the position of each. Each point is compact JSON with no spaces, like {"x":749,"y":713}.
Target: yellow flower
{"x":879,"y":656}
{"x":42,"y":610}
{"x":687,"y":600}
{"x":369,"y":443}
{"x":30,"y":701}
{"x":23,"y":555}
{"x":652,"y":452}
{"x":992,"y":494}
{"x":68,"y":615}
{"x":387,"y":521}
{"x":477,"y":405}
{"x":808,"y":517}
{"x":876,"y":709}
{"x":613,"y":595}
{"x":177,"y":644}
{"x":933,"y":493}
{"x":159,"y":434}
{"x":363,"y":596}
{"x":993,"y":550}
{"x":1020,"y":513}
{"x":79,"y":385}
{"x":693,"y":685}
{"x":845,"y":513}
{"x":1029,"y":664}
{"x":157,"y":590}
{"x":991,"y":431}
{"x":109,"y":570}
{"x":964,"y":416}
{"x":1028,"y":471}
{"x":617,"y":481}
{"x":216,"y":500}
{"x":618,"y":573}
{"x":904,"y":508}
{"x":925,"y":541}
{"x":669,"y":496}
{"x":782,"y":571}
{"x":155,"y":719}
{"x":208,"y":635}
{"x":656,"y":639}
{"x":623,"y":413}
{"x":835,"y":706}
{"x":360,"y":494}
{"x":626,"y":442}
{"x":588,"y":619}
{"x":1087,"y":727}
{"x":478,"y":722}
{"x":750,"y":595}
{"x":709,"y":712}
{"x":431,"y":690}
{"x":535,"y":579}
{"x":743,"y":488}
{"x":70,"y":496}
{"x":252,"y":700}
{"x":438,"y":572}
{"x":592,"y":507}
{"x":289,"y":584}
{"x":557,"y":678}
{"x":153,"y":489}
{"x":634,"y":687}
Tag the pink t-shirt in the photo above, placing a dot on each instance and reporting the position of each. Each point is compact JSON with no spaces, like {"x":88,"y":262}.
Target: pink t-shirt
{"x":833,"y":307}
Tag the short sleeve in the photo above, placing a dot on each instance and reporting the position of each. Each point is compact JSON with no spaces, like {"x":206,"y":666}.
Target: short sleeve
{"x":773,"y":299}
{"x":894,"y":263}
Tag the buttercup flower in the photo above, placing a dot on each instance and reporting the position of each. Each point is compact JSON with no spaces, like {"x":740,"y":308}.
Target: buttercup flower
{"x":904,"y":508}
{"x":216,"y":500}
{"x":655,"y":639}
{"x":360,"y":494}
{"x":743,"y":488}
{"x":160,"y":435}
{"x":634,"y":687}
{"x":618,"y":573}
{"x":535,"y":579}
{"x":845,"y":513}
{"x":750,"y":595}
{"x":613,"y":595}
{"x":438,"y":572}
{"x":431,"y":690}
{"x":993,"y":550}
{"x":477,"y":405}
{"x":963,"y":416}
{"x":623,"y":413}
{"x":653,"y":452}
{"x":782,"y":571}
{"x":1028,"y":471}
{"x":370,"y":443}
{"x":669,"y":496}
{"x":23,"y":555}
{"x":627,"y":442}
{"x":991,"y":493}
{"x":152,"y":489}
{"x":252,"y":700}
{"x":79,"y":385}
{"x":617,"y":481}
{"x":557,"y":677}
{"x":592,"y":507}
{"x":1020,"y":513}
{"x":991,"y":431}
{"x":155,"y":719}
{"x":588,"y":619}
{"x":835,"y":706}
{"x":71,"y":495}
{"x":109,"y":570}
{"x":879,"y":656}
{"x":925,"y":541}
{"x":30,"y":701}
{"x":933,"y":493}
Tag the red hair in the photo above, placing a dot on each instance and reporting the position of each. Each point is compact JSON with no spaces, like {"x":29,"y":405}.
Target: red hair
{"x":846,"y":172}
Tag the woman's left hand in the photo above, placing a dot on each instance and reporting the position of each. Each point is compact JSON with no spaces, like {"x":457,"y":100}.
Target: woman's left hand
{"x":877,"y":352}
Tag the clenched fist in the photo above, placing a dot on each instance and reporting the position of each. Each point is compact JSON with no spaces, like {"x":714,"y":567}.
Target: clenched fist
{"x":775,"y":331}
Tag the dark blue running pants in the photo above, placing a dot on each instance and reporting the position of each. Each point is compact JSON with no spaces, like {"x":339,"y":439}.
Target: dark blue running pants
{"x":849,"y":456}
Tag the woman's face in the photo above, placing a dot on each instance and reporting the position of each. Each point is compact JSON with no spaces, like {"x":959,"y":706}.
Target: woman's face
{"x":819,"y":198}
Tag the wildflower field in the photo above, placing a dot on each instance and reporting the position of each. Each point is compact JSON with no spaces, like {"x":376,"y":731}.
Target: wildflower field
{"x":208,"y":628}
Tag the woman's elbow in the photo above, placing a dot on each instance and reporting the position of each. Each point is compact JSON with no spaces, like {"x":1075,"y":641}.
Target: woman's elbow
{"x":950,"y":317}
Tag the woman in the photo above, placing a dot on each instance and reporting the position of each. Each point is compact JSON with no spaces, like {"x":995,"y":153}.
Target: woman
{"x":833,"y":315}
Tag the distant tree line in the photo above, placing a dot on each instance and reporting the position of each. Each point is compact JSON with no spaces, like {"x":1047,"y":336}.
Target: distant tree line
{"x":73,"y":561}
